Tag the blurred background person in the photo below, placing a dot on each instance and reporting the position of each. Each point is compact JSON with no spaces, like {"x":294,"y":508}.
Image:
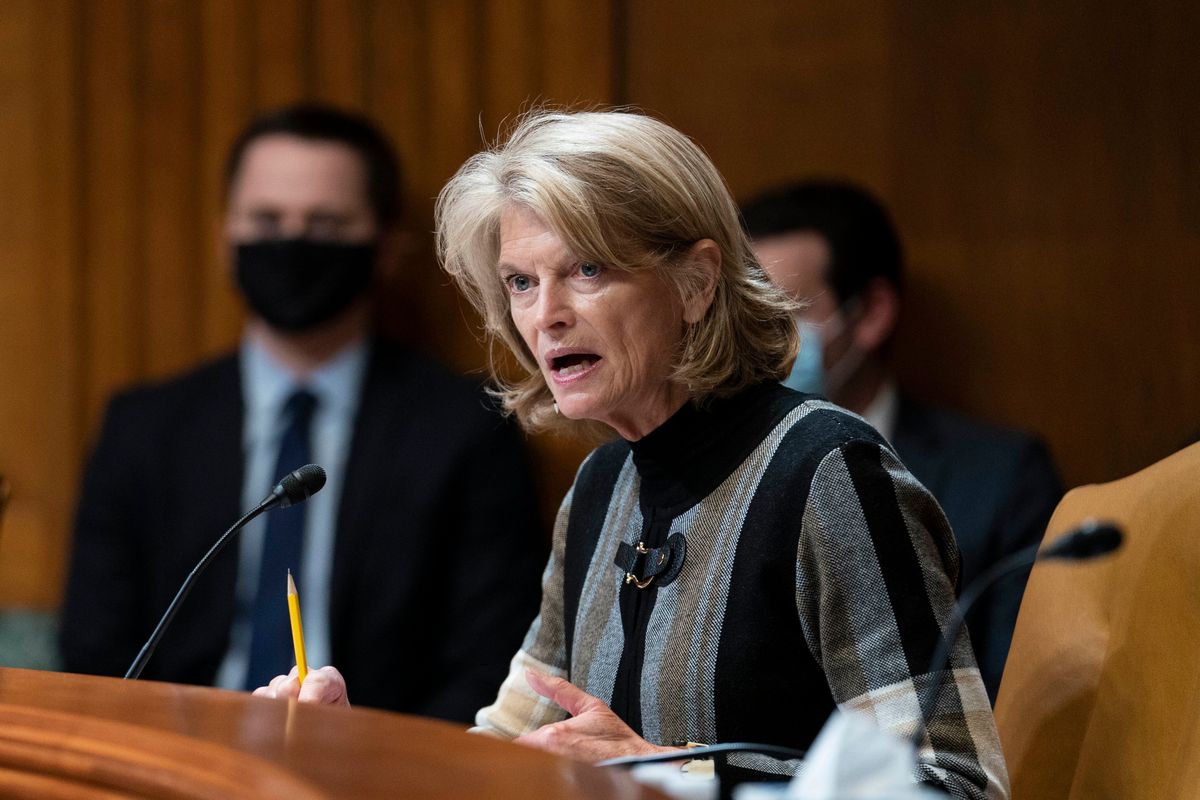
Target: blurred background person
{"x":417,"y":563}
{"x":832,"y":246}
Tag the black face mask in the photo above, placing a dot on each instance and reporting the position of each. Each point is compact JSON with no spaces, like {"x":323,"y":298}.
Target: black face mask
{"x":296,"y":284}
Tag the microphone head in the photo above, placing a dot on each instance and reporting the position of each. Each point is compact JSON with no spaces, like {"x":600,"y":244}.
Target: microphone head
{"x":1089,"y":540}
{"x":299,"y":485}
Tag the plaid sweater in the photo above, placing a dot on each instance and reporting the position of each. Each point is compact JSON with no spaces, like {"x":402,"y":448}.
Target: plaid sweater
{"x":817,"y":572}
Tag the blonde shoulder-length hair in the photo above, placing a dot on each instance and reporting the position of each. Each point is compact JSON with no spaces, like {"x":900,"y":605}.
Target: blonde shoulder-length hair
{"x":630,"y":192}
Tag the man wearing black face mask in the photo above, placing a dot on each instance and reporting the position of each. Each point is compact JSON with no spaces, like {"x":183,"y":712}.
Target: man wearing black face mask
{"x":417,"y":563}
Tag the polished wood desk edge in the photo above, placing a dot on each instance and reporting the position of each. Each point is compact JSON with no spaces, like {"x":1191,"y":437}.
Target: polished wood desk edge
{"x":99,"y":756}
{"x":120,"y":738}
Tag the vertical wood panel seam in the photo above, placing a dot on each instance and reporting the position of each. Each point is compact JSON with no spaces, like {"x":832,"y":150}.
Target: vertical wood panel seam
{"x":619,"y":44}
{"x":478,"y":58}
{"x":202,"y":145}
{"x":84,"y":222}
{"x":541,"y":69}
{"x":139,"y":259}
{"x":426,"y":100}
{"x":255,"y":67}
{"x":308,"y":52}
{"x":193,"y":204}
{"x":78,"y":267}
{"x":362,"y":12}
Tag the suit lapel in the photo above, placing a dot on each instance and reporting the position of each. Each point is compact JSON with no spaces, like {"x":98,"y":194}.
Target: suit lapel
{"x":224,"y":462}
{"x":227,"y":461}
{"x":209,"y":469}
{"x":362,"y":506}
{"x":919,"y":445}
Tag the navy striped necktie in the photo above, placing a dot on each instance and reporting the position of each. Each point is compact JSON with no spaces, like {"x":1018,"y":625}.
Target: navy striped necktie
{"x":271,"y":651}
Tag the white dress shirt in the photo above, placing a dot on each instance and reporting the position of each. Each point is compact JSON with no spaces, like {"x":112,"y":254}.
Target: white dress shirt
{"x":266,"y":387}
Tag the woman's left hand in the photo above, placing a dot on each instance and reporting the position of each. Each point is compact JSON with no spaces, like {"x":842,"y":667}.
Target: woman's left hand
{"x":593,"y":732}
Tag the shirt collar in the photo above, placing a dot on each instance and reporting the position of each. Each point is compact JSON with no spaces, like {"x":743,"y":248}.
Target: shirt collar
{"x":881,"y":411}
{"x":267,"y":384}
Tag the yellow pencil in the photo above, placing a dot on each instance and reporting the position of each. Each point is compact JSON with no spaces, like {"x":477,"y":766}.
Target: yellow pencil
{"x":293,"y":599}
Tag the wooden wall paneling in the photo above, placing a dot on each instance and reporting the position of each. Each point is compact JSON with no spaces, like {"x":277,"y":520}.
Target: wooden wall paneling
{"x":454,"y":84}
{"x":114,"y":287}
{"x":772,"y":91}
{"x":62,"y":411}
{"x":578,"y":49}
{"x":397,"y":94}
{"x":513,"y":62}
{"x":283,"y":51}
{"x":1174,"y":209}
{"x":397,"y":98}
{"x":227,"y":99}
{"x":173,"y":235}
{"x":454,"y":87}
{"x":1174,"y":79}
{"x":41,"y":409}
{"x":546,"y":53}
{"x":1035,"y":148}
{"x":339,"y":51}
{"x":993,"y":162}
{"x":1034,"y":105}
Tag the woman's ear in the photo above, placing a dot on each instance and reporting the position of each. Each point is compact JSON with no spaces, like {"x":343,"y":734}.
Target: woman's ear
{"x":705,"y":257}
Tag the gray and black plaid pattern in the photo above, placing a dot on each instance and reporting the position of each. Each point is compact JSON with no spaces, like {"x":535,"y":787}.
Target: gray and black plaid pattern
{"x":822,"y":519}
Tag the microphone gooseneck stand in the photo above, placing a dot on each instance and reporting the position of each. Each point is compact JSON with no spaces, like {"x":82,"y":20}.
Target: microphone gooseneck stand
{"x":1087,"y":541}
{"x":296,"y":487}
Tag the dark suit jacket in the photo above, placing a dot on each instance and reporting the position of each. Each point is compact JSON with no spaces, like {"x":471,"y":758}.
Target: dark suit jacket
{"x":998,"y":488}
{"x":438,"y":546}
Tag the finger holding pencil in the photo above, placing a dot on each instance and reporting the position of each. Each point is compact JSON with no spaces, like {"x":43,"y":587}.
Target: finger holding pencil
{"x":324,"y":686}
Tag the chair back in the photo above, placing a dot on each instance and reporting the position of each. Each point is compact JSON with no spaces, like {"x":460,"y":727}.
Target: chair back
{"x":1101,"y":693}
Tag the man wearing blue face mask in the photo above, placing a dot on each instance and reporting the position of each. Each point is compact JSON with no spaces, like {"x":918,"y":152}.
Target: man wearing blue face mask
{"x":417,"y":563}
{"x":832,"y":246}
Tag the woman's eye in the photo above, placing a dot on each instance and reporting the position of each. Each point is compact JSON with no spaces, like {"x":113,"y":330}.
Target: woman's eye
{"x":518,"y":283}
{"x":589,"y":270}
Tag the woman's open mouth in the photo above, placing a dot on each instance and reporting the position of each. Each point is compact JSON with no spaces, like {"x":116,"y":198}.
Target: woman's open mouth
{"x":572,"y":365}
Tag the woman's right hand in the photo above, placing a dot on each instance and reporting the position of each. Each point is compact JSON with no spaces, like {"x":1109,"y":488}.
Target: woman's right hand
{"x":324,"y":686}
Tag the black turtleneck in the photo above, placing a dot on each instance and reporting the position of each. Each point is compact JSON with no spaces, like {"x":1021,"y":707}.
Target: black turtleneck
{"x":684,"y":459}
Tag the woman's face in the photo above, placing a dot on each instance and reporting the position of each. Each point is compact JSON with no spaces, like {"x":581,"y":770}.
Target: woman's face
{"x":603,"y":338}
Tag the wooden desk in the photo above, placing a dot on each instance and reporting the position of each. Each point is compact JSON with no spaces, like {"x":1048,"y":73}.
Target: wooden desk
{"x":83,"y":737}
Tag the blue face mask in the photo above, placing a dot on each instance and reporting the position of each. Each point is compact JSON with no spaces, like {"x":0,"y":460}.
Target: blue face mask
{"x":808,"y":371}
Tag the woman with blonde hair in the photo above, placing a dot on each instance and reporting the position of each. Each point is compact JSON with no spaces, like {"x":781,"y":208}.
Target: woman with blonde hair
{"x":742,"y":559}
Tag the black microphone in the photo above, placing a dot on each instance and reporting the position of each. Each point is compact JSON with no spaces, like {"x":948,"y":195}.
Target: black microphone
{"x":298,"y":485}
{"x":1089,"y":540}
{"x":294,"y":488}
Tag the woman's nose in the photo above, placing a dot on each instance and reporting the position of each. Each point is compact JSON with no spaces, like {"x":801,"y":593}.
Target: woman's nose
{"x":554,"y":306}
